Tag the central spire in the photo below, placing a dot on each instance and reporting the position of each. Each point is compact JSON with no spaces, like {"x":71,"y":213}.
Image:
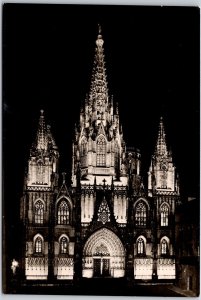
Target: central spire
{"x":98,"y":96}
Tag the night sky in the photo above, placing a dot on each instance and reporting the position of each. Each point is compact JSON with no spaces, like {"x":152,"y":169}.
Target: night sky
{"x":152,"y":61}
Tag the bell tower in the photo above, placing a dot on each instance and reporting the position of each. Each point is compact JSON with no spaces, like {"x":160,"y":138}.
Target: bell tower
{"x":40,"y":187}
{"x":162,"y":176}
{"x":163,"y":188}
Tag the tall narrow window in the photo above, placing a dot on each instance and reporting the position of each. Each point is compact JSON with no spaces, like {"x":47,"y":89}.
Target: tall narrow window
{"x":40,"y":172}
{"x":116,"y":156}
{"x":63,"y":245}
{"x":164,"y":214}
{"x":101,"y":152}
{"x":39,"y":212}
{"x":140,"y":214}
{"x":63,"y":213}
{"x":83,"y":152}
{"x":164,"y":247}
{"x":140,"y":246}
{"x":38,"y":245}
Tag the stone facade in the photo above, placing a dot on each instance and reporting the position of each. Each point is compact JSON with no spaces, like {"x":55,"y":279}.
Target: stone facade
{"x":107,"y":224}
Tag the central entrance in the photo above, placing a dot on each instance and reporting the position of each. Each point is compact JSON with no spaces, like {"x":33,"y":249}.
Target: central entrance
{"x":101,"y":267}
{"x":103,"y":255}
{"x":101,"y":261}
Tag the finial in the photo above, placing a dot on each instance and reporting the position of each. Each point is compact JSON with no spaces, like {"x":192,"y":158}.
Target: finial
{"x":41,"y":112}
{"x":99,"y":41}
{"x":117,"y":108}
{"x":64,"y":177}
{"x":99,"y":29}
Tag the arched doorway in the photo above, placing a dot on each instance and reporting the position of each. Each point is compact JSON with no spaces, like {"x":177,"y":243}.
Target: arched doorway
{"x":103,"y":255}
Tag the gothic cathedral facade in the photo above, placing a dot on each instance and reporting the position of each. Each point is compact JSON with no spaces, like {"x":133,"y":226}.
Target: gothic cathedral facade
{"x":106,"y":224}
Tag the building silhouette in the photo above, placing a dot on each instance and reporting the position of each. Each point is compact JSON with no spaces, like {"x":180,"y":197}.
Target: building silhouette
{"x":188,"y":245}
{"x":109,"y":222}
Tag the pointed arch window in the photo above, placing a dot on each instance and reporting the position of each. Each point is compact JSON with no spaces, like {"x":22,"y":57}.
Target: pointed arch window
{"x":63,"y":245}
{"x":164,"y":247}
{"x":63,"y":213}
{"x":164,"y":214}
{"x":101,"y":152}
{"x":39,"y":212}
{"x":83,"y":152}
{"x":38,"y":245}
{"x":140,"y":214}
{"x":140,"y":246}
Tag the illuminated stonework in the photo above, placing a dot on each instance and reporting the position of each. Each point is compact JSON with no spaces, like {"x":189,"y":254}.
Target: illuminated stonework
{"x":106,"y":224}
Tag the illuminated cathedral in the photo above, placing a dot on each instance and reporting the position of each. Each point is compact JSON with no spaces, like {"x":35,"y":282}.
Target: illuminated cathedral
{"x":108,"y":223}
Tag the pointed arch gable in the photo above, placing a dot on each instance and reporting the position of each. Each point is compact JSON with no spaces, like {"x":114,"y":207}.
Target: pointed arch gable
{"x":165,"y":238}
{"x":36,"y":236}
{"x":101,"y":136}
{"x":63,"y":235}
{"x":65,"y":198}
{"x":39,"y":199}
{"x":141,"y":237}
{"x":165,"y":204}
{"x":106,"y":237}
{"x":143,"y":200}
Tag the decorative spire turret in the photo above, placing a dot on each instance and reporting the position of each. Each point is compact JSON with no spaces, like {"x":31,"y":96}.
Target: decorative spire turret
{"x":43,"y":160}
{"x":41,"y":139}
{"x":51,"y":140}
{"x":63,"y":190}
{"x":44,"y":139}
{"x":161,"y":147}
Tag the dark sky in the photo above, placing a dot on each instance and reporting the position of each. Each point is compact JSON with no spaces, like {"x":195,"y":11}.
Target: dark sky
{"x":152,"y":60}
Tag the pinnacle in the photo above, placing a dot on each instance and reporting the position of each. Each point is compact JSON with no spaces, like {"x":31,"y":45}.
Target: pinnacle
{"x":161,"y":147}
{"x":42,"y":133}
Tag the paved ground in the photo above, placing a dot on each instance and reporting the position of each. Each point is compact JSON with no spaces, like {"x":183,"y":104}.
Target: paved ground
{"x":116,"y":287}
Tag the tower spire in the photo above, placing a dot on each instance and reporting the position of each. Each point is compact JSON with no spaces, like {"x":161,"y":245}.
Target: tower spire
{"x":161,"y":146}
{"x":41,"y":139}
{"x":98,"y":95}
